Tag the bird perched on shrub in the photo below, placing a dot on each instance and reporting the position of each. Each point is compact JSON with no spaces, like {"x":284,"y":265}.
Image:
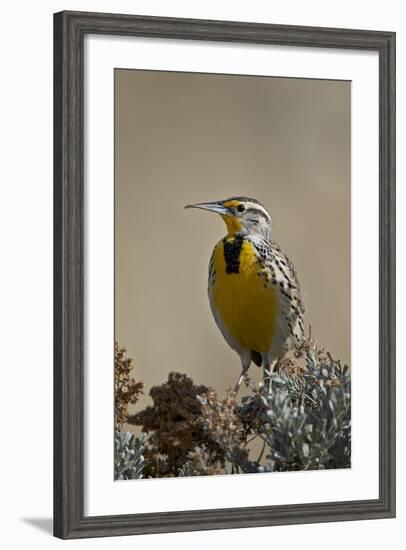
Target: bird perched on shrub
{"x":253,"y":288}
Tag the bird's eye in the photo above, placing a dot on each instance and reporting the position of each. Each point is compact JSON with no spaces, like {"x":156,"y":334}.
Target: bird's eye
{"x":241,"y":208}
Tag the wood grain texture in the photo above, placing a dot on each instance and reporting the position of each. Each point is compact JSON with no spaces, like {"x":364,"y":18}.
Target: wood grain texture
{"x":69,"y":30}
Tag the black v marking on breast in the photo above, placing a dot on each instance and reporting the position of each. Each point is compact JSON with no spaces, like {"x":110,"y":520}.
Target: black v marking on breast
{"x":232,"y":251}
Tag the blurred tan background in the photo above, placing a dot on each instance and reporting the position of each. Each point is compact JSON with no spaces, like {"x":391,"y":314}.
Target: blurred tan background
{"x":184,"y":138}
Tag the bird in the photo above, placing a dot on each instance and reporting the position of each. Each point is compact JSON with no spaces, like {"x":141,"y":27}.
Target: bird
{"x":253,"y":288}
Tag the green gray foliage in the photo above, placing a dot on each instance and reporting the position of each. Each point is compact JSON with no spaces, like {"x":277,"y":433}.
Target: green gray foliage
{"x":129,"y":461}
{"x":305,"y":422}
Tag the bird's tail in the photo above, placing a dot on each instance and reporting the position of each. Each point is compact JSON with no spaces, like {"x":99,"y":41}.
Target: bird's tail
{"x":256,"y":357}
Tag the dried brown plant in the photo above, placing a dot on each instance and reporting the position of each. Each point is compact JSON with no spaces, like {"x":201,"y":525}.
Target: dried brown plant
{"x":199,"y":463}
{"x":226,"y":428}
{"x":126,"y":389}
{"x":174,"y":425}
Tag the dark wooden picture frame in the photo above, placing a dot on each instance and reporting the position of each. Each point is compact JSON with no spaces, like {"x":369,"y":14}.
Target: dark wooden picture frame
{"x":69,"y":31}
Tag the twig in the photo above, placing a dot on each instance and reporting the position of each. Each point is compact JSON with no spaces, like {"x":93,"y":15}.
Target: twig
{"x":261,"y":453}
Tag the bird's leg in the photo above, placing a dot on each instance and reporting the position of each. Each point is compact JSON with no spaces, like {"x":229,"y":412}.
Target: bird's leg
{"x":240,"y":379}
{"x":268,"y":371}
{"x":246,"y":361}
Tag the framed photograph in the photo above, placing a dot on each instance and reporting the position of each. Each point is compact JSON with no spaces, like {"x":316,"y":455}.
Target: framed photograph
{"x":224,"y":274}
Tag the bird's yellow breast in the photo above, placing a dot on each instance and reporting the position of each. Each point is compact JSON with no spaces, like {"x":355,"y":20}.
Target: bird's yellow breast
{"x":247,"y":307}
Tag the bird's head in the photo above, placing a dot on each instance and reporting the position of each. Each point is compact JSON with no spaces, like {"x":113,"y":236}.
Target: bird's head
{"x":241,"y":215}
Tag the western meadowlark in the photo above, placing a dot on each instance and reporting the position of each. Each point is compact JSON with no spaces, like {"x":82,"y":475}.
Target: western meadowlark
{"x":253,"y":289}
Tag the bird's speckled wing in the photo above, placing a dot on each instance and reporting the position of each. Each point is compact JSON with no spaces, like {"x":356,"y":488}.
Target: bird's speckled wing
{"x":278,"y":271}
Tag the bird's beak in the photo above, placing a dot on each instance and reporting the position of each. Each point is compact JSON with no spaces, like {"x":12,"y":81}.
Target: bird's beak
{"x":217,"y":207}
